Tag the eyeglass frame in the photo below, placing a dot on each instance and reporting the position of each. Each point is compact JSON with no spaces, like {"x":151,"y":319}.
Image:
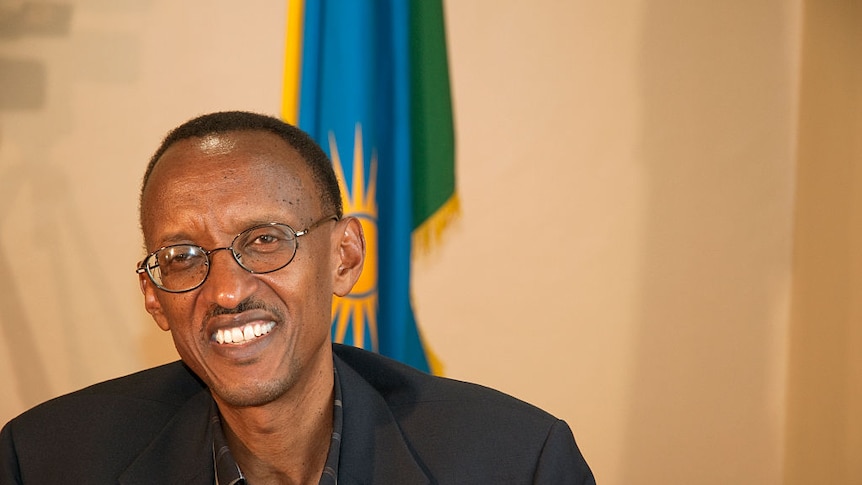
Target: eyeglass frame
{"x":142,"y":268}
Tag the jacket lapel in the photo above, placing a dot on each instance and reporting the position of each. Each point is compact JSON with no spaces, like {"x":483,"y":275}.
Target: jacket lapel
{"x":373,"y":449}
{"x":181,"y":453}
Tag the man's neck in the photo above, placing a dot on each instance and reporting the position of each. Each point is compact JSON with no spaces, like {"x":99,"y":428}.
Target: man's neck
{"x":285,"y":441}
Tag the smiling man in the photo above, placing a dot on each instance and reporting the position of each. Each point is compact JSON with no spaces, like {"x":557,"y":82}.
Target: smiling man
{"x":247,"y":244}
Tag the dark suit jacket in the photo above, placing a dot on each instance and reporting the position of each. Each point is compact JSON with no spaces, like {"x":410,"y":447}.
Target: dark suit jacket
{"x":401,"y":426}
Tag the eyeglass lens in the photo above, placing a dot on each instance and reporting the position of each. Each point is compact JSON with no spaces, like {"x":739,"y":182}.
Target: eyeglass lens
{"x":260,"y":249}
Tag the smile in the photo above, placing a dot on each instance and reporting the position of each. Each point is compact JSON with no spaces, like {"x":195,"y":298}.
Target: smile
{"x":245,"y":333}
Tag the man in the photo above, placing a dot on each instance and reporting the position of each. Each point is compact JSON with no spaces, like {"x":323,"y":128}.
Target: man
{"x":242,"y":216}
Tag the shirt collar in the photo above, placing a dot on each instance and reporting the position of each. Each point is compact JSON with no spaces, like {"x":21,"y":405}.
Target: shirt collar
{"x":227,"y":470}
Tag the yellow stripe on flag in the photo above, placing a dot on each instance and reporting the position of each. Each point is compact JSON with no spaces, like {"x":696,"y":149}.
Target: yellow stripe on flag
{"x":292,"y":62}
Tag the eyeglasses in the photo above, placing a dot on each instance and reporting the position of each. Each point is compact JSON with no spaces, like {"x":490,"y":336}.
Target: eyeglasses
{"x":260,"y":249}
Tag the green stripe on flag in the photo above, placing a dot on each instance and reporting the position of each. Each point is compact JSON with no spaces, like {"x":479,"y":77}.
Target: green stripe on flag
{"x":433,"y":135}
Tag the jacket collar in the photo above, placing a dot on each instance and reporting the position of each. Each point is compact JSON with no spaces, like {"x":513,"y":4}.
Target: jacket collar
{"x":373,"y":449}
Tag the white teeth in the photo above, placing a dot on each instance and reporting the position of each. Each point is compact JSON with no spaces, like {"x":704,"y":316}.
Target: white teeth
{"x":242,"y":334}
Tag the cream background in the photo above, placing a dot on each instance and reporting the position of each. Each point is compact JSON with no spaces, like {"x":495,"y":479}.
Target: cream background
{"x":636,"y":252}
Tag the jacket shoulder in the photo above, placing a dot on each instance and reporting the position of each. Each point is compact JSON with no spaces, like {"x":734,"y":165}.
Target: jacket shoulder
{"x":403,"y":386}
{"x":113,"y":419}
{"x":463,"y":432}
{"x":168,"y":385}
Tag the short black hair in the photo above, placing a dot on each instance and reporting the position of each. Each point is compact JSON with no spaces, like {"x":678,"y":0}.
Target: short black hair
{"x":228,"y":121}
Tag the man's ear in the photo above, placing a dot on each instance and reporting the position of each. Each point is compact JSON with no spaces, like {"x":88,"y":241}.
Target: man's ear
{"x":350,"y":256}
{"x":152,"y":303}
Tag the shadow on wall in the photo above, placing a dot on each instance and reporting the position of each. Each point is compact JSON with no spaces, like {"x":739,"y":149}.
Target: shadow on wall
{"x":715,"y":145}
{"x":47,"y":257}
{"x":824,"y":396}
{"x":23,"y":87}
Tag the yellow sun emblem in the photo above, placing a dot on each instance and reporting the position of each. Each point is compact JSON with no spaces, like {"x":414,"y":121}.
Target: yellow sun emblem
{"x":357,"y":311}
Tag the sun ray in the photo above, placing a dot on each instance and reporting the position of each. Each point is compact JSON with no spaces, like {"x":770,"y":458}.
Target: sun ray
{"x":355,"y":315}
{"x":371,"y":308}
{"x":358,"y":330}
{"x":339,"y":171}
{"x":372,"y":186}
{"x":358,"y":192}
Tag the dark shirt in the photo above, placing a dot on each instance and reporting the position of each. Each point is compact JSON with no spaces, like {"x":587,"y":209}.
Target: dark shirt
{"x":227,"y":470}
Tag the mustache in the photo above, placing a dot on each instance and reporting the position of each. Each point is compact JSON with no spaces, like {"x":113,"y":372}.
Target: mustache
{"x":249,"y":303}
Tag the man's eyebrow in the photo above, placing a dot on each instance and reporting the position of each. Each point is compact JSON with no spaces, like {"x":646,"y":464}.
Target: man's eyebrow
{"x":177,"y":234}
{"x":171,"y":239}
{"x":184,"y":237}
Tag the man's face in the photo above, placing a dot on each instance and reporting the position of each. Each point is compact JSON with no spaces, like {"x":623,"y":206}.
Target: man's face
{"x":204,"y":191}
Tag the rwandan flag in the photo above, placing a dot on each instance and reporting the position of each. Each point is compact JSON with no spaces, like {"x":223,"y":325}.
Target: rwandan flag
{"x":369,"y":81}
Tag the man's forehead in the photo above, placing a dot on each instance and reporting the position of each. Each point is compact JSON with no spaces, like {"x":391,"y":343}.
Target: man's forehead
{"x":218,"y":159}
{"x":233,"y":190}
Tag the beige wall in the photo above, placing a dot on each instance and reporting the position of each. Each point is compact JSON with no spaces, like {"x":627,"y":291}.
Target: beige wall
{"x":627,"y":172}
{"x":641,"y":155}
{"x":73,"y":146}
{"x":824,"y":426}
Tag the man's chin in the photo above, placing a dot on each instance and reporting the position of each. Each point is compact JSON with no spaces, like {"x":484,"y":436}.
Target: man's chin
{"x":250,"y":394}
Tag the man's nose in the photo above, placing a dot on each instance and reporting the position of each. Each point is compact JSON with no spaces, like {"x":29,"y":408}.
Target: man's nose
{"x":227,"y":284}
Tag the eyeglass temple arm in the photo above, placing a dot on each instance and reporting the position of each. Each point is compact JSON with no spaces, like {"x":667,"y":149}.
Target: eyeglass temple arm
{"x":316,"y":224}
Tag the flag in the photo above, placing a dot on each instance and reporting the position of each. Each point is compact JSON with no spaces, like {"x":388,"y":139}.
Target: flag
{"x":369,"y":81}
